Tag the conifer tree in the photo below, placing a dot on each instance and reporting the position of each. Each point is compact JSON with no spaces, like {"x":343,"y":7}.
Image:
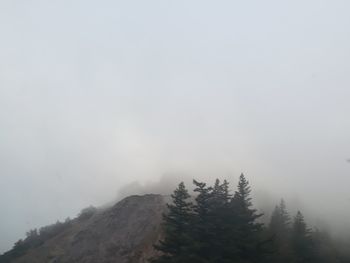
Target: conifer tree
{"x":203,"y":227}
{"x":217,"y":228}
{"x":302,"y":244}
{"x":229,"y":227}
{"x":279,"y":229}
{"x":211,"y":230}
{"x":249,"y":231}
{"x":280,"y":220}
{"x":175,"y":247}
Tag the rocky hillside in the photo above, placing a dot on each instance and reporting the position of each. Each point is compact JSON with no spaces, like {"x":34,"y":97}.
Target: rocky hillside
{"x":123,"y":233}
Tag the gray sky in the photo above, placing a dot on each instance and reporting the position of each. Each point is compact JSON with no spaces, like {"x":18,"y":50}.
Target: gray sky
{"x":97,"y":94}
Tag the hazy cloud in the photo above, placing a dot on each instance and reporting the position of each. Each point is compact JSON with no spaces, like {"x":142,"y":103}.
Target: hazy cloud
{"x":95,"y":96}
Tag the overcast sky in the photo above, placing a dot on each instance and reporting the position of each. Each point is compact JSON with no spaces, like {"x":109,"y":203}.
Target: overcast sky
{"x":97,"y":94}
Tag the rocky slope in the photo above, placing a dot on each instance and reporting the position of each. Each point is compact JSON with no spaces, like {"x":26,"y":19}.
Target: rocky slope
{"x":123,"y":233}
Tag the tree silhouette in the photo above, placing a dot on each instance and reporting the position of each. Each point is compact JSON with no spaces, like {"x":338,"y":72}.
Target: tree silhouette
{"x":177,"y":241}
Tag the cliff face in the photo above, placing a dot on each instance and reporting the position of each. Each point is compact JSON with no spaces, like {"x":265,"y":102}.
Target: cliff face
{"x":123,"y":233}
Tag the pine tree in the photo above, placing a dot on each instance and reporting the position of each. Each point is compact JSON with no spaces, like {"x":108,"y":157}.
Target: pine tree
{"x":249,"y":231}
{"x":175,"y":247}
{"x":211,"y":230}
{"x":229,"y":223}
{"x":279,"y":229}
{"x":203,"y":228}
{"x":302,"y":244}
{"x":218,"y":228}
{"x":222,"y":220}
{"x":280,"y":220}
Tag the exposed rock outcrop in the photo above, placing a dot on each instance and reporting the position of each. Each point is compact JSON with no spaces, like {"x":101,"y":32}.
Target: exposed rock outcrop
{"x":123,"y":233}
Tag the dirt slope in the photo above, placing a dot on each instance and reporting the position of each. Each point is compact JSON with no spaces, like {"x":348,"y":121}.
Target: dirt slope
{"x":123,"y":233}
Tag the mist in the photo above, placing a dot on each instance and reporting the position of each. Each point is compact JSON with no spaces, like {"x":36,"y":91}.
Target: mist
{"x":102,"y":100}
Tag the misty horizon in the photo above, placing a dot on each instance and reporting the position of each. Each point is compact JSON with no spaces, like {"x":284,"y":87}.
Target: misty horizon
{"x":98,"y":101}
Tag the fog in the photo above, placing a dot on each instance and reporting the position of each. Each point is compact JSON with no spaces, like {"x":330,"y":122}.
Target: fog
{"x":101,"y":96}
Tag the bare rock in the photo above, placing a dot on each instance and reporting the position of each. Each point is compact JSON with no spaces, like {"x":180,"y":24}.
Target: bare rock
{"x":123,"y":233}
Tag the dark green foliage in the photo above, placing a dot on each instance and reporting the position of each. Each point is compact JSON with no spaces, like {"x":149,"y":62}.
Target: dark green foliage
{"x":219,"y":228}
{"x":216,"y":228}
{"x":301,"y":241}
{"x":280,"y":221}
{"x":296,"y":243}
{"x":249,"y":232}
{"x":280,"y":230}
{"x":211,"y":224}
{"x":177,"y":222}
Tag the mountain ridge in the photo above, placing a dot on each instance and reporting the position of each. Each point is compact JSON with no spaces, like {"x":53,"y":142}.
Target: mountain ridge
{"x":123,"y":233}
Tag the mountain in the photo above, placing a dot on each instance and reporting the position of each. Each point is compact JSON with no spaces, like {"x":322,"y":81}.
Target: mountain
{"x":122,"y":233}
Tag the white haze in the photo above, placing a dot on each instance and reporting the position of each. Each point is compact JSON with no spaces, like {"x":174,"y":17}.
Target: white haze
{"x":95,"y":95}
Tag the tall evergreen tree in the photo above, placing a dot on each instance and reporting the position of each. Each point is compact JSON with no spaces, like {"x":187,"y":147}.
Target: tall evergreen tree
{"x":175,"y":247}
{"x":203,"y":228}
{"x":249,"y":231}
{"x":217,"y":228}
{"x":222,"y":220}
{"x":212,"y":228}
{"x":280,"y":220}
{"x":302,"y":244}
{"x":279,"y":229}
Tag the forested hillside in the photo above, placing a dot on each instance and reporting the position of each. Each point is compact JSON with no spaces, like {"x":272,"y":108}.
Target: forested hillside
{"x":220,"y":226}
{"x":211,"y":224}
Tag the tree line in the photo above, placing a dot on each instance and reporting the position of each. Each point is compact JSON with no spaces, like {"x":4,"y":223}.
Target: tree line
{"x":216,"y":226}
